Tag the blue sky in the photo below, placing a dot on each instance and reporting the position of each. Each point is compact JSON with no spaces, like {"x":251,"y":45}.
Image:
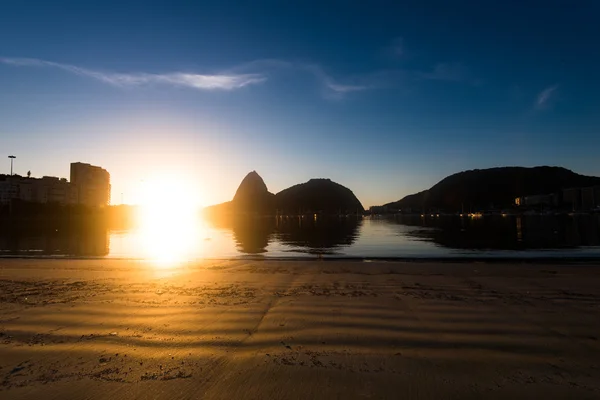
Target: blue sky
{"x":386,"y":98}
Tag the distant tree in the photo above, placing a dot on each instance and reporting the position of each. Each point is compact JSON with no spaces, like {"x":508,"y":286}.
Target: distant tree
{"x":28,"y":174}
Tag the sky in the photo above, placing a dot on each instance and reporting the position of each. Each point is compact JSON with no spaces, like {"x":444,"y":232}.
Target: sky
{"x":386,"y":98}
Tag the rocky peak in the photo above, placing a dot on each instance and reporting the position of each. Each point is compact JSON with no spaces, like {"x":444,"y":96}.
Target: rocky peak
{"x":252,"y":185}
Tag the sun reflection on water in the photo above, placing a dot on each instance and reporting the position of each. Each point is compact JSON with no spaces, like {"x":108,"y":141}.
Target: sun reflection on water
{"x":169,"y":227}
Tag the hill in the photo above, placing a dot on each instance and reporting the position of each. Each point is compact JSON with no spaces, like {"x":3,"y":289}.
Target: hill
{"x":493,"y":187}
{"x":251,"y":197}
{"x":316,"y":195}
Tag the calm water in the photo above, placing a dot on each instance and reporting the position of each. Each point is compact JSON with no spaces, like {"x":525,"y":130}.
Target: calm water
{"x":406,"y":236}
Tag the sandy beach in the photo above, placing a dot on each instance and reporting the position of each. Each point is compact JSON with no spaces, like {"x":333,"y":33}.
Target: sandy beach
{"x":244,"y":329}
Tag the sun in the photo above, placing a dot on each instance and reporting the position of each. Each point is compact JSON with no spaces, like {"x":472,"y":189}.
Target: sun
{"x":168,"y":220}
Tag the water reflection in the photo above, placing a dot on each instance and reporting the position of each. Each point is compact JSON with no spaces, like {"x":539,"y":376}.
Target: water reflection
{"x":505,"y":233}
{"x":69,"y":241}
{"x":169,"y":241}
{"x":252,"y":235}
{"x":321,"y":235}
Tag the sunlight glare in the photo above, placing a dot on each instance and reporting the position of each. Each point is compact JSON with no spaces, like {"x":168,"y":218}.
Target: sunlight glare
{"x":169,"y":223}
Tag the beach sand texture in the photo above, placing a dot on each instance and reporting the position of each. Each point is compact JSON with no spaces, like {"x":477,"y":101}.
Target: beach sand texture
{"x":246,"y":329}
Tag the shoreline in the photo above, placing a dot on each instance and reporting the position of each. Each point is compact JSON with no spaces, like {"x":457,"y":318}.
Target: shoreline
{"x":316,"y":257}
{"x":297,"y":329}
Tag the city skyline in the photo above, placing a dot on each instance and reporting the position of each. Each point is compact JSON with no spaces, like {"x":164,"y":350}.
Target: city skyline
{"x":88,"y":185}
{"x":363,"y":95}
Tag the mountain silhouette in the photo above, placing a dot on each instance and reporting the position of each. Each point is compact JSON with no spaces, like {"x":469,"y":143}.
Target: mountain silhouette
{"x":493,"y":187}
{"x":314,"y":196}
{"x":252,"y":195}
{"x":317,"y":195}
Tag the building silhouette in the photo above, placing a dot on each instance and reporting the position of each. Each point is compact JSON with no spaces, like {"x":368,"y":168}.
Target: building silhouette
{"x":90,"y":186}
{"x":92,"y":183}
{"x":572,"y":199}
{"x":9,"y":189}
{"x":48,"y":189}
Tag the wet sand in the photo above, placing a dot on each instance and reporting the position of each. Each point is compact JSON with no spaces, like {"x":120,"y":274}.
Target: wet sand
{"x":98,"y":329}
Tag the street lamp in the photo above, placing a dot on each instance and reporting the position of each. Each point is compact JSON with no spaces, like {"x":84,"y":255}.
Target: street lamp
{"x":11,"y":164}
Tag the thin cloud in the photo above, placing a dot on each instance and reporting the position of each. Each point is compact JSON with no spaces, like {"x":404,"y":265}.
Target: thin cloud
{"x":333,"y":88}
{"x":545,"y":97}
{"x":250,"y":73}
{"x":191,"y":80}
{"x":336,"y":87}
{"x":450,"y":72}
